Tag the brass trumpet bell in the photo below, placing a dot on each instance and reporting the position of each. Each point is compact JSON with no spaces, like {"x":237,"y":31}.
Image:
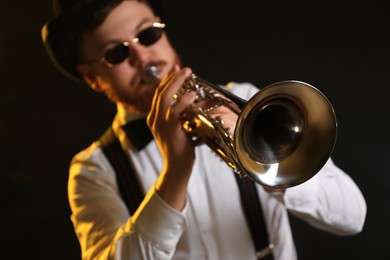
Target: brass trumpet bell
{"x":285,"y":134}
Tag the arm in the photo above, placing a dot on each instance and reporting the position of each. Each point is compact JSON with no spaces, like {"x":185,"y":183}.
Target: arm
{"x":101,"y":220}
{"x":177,"y":152}
{"x":330,"y":201}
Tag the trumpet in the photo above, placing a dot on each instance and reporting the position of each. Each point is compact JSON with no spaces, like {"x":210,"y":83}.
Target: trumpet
{"x":283,"y":136}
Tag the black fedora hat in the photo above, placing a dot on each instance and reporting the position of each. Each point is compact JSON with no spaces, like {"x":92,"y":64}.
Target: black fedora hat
{"x":60,"y":34}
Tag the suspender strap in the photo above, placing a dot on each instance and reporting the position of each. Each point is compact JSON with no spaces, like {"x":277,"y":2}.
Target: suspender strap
{"x":254,"y":215}
{"x":132,"y":195}
{"x":126,"y":179}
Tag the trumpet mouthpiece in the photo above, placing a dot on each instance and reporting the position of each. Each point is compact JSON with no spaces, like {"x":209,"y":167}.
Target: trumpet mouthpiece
{"x":150,"y":74}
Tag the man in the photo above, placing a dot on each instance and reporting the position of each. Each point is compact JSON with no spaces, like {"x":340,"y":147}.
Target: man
{"x":192,"y":207}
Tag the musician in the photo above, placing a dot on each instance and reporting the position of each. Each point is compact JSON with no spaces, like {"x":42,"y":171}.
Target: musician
{"x":191,"y":206}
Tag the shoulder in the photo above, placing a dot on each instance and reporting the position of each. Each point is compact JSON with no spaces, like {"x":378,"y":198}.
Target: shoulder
{"x":244,"y":90}
{"x":91,"y":164}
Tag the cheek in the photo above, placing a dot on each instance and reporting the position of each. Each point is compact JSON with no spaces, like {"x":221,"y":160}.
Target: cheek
{"x":119,"y":83}
{"x":121,"y":77}
{"x":168,"y":53}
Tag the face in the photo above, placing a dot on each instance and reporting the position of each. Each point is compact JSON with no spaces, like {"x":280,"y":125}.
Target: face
{"x":123,"y":82}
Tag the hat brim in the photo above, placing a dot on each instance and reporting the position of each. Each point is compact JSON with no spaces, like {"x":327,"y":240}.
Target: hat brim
{"x":60,"y":35}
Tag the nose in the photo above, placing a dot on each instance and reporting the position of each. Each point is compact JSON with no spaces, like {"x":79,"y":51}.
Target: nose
{"x":139,"y":54}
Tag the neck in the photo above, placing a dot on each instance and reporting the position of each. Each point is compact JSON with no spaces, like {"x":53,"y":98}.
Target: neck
{"x":128,"y":113}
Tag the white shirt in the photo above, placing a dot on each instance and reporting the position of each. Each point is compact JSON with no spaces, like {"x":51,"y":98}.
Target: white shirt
{"x":212,"y":224}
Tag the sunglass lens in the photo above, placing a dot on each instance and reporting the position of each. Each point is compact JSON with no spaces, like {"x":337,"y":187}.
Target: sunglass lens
{"x":117,"y":54}
{"x":150,"y":36}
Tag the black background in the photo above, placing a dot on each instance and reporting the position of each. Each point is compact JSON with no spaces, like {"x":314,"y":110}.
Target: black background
{"x":45,"y":118}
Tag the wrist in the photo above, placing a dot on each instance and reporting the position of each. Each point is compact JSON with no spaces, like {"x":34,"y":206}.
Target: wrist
{"x":172,"y":188}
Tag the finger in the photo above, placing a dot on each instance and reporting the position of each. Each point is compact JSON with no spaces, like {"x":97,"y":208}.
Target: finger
{"x":178,"y":107}
{"x":156,"y":98}
{"x":167,"y":78}
{"x":226,"y":117}
{"x":174,"y":86}
{"x":164,"y":96}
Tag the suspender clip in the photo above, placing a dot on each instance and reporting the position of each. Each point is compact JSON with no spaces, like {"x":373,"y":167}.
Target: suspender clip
{"x":263,"y":253}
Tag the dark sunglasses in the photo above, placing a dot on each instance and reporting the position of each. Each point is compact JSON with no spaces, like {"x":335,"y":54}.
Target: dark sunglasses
{"x":121,"y":51}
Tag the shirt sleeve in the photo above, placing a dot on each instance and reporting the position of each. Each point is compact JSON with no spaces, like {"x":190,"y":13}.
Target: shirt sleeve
{"x":330,"y":201}
{"x":153,"y":231}
{"x":101,"y":220}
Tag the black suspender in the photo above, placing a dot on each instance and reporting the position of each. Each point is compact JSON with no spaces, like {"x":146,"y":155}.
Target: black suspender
{"x":132,"y":194}
{"x":126,"y":179}
{"x":254,"y":215}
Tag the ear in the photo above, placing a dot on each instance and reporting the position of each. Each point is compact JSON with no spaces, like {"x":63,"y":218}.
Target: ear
{"x":89,"y":76}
